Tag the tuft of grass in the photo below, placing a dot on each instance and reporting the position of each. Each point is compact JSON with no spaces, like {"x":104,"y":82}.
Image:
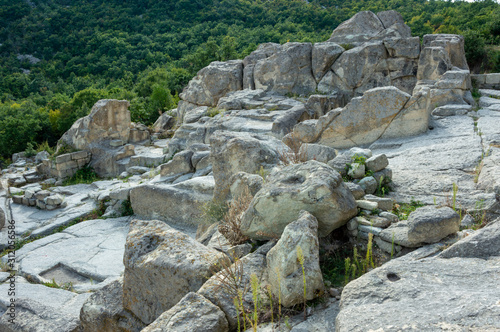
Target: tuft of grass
{"x":347,"y":46}
{"x":231,"y":225}
{"x":403,"y":210}
{"x":53,"y":284}
{"x":85,"y":175}
{"x":44,"y":146}
{"x":214,"y":211}
{"x":300,"y":258}
{"x":30,"y":150}
{"x":127,"y":208}
{"x":213,"y":111}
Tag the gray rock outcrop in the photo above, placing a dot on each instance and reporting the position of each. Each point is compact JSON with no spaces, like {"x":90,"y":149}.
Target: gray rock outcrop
{"x":161,"y":266}
{"x":193,"y":313}
{"x":311,"y":186}
{"x":283,"y":265}
{"x":427,"y":224}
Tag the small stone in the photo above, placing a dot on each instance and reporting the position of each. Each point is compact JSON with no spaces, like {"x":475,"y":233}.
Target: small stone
{"x":367,"y":153}
{"x":353,"y":223}
{"x":42,"y":194}
{"x":388,"y":247}
{"x":369,"y":229}
{"x":17,"y":199}
{"x":356,"y":190}
{"x":467,"y":221}
{"x":367,"y":205}
{"x":374,"y":221}
{"x":116,"y":142}
{"x":53,"y":200}
{"x":384,"y":203}
{"x":391,"y":216}
{"x":50,"y":207}
{"x":357,"y":171}
{"x":377,"y":163}
{"x":334,"y":292}
{"x":369,"y":184}
{"x":40,"y":204}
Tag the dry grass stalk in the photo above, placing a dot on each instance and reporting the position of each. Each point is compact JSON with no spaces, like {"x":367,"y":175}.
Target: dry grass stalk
{"x":294,"y":155}
{"x":231,"y":226}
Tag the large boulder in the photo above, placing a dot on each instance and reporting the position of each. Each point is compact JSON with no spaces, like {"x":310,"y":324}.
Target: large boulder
{"x":427,"y":224}
{"x":213,"y":82}
{"x":109,"y":119}
{"x":193,"y":313}
{"x":311,"y":186}
{"x":283,"y":263}
{"x":358,"y":29}
{"x":263,"y":51}
{"x":103,"y":311}
{"x":323,"y":57}
{"x":287,"y":71}
{"x":365,"y":118}
{"x":161,"y":266}
{"x":363,"y":67}
{"x":181,"y":203}
{"x":366,"y":26}
{"x":234,"y":152}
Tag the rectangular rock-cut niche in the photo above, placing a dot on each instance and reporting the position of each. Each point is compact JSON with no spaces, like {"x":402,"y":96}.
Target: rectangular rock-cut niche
{"x":63,"y":274}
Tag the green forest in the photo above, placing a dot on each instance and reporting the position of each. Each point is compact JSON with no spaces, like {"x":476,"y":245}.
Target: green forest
{"x":58,"y":57}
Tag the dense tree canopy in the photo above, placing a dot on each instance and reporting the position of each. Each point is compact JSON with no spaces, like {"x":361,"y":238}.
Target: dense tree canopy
{"x":146,"y":51}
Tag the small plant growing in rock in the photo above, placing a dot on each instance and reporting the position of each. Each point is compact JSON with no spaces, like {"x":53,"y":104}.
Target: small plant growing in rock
{"x":300,"y":258}
{"x":403,"y":210}
{"x":84,"y":175}
{"x":30,"y":151}
{"x":231,"y":225}
{"x":127,"y":208}
{"x":214,"y":211}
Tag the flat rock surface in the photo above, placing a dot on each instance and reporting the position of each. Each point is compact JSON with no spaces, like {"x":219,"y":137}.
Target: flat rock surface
{"x":41,"y":309}
{"x":424,"y":167}
{"x":84,"y":254}
{"x":431,"y":294}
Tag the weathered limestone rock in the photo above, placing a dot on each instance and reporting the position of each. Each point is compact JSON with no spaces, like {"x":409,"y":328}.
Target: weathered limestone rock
{"x":365,"y":118}
{"x":161,"y":266}
{"x":427,"y":224}
{"x":319,"y":105}
{"x":108,"y":119}
{"x":484,"y":243}
{"x":452,"y":44}
{"x":362,"y":67}
{"x":223,"y":296}
{"x":283,"y":260}
{"x":433,"y":63}
{"x":403,"y":47}
{"x":323,"y":57}
{"x":240,"y":182}
{"x":179,"y":165}
{"x":317,"y":152}
{"x":263,"y":51}
{"x":164,"y":122}
{"x":426,"y":294}
{"x":233,"y":152}
{"x":103,"y":311}
{"x":193,"y":313}
{"x":213,"y":82}
{"x":377,"y":163}
{"x":39,"y":308}
{"x":287,"y":71}
{"x":310,"y":186}
{"x":180,"y":203}
{"x":358,"y":29}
